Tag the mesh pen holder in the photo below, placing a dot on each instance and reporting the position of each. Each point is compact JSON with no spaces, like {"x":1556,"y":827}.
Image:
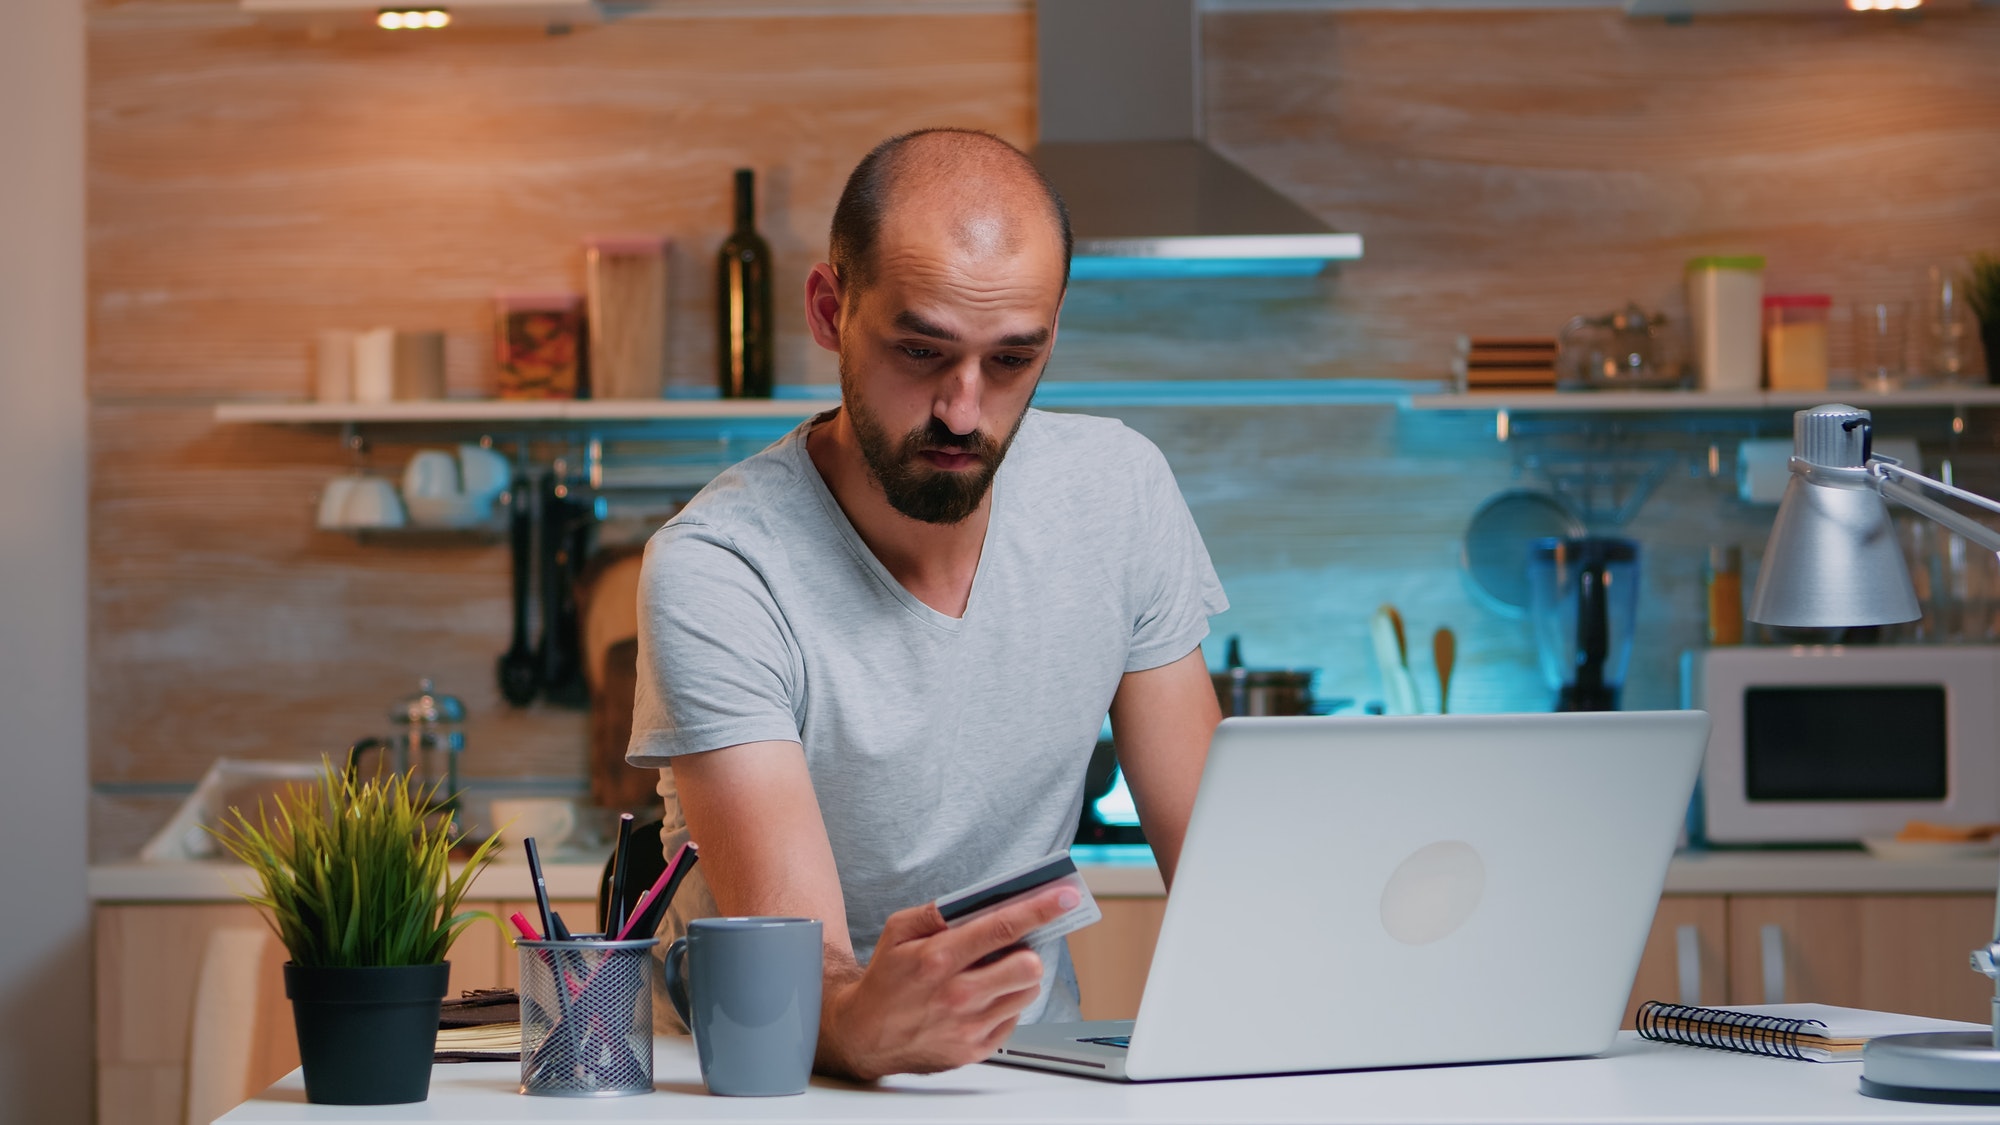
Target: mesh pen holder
{"x":586,"y":1018}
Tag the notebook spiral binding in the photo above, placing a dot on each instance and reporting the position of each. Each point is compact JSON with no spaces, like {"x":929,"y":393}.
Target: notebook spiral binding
{"x":1729,"y":1031}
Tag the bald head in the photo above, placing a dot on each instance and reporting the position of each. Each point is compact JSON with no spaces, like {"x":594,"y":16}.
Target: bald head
{"x":970,"y":190}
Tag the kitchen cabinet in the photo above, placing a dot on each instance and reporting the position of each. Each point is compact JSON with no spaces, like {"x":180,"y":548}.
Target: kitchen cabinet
{"x":1899,"y":953}
{"x":149,"y":960}
{"x":1893,"y":952}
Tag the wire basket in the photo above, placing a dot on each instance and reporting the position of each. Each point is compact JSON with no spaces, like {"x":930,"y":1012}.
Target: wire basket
{"x":586,"y":1018}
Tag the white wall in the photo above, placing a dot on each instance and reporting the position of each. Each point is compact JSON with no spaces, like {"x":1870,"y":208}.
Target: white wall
{"x":45,"y":955}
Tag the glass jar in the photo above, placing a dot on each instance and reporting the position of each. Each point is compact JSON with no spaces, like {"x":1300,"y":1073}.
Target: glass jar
{"x":626,"y":288}
{"x":1795,"y":326}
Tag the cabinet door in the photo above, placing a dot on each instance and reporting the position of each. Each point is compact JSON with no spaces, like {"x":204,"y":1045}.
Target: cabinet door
{"x":149,"y":960}
{"x":1895,"y":953}
{"x":1687,"y":954}
{"x":1112,"y":956}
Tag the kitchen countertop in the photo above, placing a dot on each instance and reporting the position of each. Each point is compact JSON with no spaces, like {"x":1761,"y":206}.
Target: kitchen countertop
{"x":1128,"y":872}
{"x":1633,"y":1082}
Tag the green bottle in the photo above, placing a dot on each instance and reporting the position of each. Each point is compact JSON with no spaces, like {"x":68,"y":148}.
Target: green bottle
{"x":743,"y":301}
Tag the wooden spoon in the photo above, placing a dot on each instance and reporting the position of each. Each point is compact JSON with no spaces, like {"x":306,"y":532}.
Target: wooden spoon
{"x":1444,"y":652}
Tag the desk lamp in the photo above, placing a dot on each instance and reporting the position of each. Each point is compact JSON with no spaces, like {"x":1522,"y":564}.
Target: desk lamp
{"x":1833,"y":560}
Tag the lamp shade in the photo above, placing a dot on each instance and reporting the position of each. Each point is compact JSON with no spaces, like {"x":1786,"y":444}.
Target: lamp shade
{"x":1832,"y":561}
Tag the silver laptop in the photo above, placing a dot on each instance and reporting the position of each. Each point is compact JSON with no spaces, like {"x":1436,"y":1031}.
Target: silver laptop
{"x":1367,"y":892}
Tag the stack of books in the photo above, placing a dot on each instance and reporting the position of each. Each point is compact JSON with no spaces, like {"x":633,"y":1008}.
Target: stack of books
{"x":1506,"y":364}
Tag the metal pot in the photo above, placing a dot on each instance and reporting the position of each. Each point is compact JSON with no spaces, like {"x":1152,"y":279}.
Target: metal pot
{"x":1261,"y":691}
{"x":1264,"y":691}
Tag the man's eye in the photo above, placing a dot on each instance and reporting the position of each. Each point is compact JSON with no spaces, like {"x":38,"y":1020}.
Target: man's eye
{"x":1015,"y":362}
{"x":917,"y":353}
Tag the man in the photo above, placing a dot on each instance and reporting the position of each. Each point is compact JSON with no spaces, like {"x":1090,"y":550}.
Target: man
{"x":875,"y":662}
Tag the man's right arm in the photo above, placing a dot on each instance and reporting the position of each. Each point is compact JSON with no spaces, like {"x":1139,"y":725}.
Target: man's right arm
{"x":923,"y":1003}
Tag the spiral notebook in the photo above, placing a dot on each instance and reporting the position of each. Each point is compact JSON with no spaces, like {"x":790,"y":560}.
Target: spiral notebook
{"x":1814,"y":1032}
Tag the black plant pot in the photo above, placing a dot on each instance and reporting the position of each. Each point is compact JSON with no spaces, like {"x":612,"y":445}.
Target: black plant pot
{"x":366,"y":1036}
{"x":1989,"y":339}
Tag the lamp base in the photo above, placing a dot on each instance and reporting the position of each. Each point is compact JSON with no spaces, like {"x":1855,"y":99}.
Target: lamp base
{"x":1944,"y":1067}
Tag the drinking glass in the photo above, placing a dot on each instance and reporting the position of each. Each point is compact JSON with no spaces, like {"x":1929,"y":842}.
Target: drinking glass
{"x":1881,"y":339}
{"x":1947,"y":328}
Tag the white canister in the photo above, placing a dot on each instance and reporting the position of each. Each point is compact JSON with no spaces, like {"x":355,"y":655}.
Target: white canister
{"x":1726,"y":306}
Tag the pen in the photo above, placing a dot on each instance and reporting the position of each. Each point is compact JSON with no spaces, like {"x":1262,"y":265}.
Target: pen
{"x":662,"y":892}
{"x":541,"y":888}
{"x":521,"y":924}
{"x":621,"y":873}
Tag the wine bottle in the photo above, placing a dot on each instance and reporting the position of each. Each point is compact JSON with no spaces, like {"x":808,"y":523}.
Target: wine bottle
{"x":743,"y":301}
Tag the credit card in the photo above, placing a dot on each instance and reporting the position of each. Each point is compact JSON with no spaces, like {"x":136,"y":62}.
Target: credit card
{"x":982,"y":898}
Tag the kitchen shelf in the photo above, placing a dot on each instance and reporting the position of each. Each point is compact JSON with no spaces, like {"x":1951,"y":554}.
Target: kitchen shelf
{"x":796,"y":401}
{"x":1658,"y":402}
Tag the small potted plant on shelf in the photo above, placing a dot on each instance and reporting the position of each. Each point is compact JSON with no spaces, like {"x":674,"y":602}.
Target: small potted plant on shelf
{"x":1983,"y":294}
{"x":356,"y":881}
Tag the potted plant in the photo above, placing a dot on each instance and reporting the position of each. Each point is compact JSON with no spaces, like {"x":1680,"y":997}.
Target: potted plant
{"x":1982,"y":292}
{"x":356,"y":882}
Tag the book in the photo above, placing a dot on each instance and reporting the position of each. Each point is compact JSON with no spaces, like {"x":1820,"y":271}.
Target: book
{"x":1813,"y":1032}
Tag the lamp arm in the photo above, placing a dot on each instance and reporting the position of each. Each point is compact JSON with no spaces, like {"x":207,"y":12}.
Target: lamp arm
{"x":1907,"y":488}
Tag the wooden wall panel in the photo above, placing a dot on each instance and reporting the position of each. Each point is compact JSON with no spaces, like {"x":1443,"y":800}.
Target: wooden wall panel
{"x":1511,"y":169}
{"x":251,"y":186}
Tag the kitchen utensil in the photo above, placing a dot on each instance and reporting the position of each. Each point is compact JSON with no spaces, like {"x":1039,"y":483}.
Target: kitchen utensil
{"x":1402,"y":636}
{"x":333,"y":502}
{"x":1399,"y":691}
{"x":1494,"y":555}
{"x":1881,"y":342}
{"x":1444,"y":654}
{"x":484,"y":472}
{"x":750,"y":992}
{"x":564,"y":541}
{"x":371,"y":501}
{"x":431,"y":473}
{"x":1628,"y":349}
{"x":429,"y":740}
{"x":1261,"y":691}
{"x":520,"y":672}
{"x":1586,"y":599}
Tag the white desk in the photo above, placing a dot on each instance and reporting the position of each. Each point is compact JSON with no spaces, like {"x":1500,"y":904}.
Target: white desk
{"x":1636,"y":1082}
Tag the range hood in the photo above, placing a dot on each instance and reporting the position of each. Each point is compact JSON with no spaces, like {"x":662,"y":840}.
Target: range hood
{"x":1119,"y":86}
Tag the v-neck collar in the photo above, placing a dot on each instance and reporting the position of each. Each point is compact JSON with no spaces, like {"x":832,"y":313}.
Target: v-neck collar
{"x":858,"y":547}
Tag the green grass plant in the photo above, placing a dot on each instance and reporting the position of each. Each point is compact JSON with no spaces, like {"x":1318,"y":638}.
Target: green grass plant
{"x":1983,"y":288}
{"x":354,"y":873}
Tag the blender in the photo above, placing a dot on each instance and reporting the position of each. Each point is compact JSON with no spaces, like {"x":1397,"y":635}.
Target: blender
{"x":1583,"y":602}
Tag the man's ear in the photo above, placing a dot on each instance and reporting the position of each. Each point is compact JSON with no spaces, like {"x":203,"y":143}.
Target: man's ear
{"x":824,"y":298}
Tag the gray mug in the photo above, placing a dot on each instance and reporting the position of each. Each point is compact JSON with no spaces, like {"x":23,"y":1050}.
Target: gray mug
{"x":750,"y":994}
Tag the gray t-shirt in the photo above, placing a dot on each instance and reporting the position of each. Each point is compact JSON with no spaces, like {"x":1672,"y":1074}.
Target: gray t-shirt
{"x":943,"y":750}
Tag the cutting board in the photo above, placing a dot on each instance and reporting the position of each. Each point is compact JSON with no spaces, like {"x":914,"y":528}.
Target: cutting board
{"x":608,"y":600}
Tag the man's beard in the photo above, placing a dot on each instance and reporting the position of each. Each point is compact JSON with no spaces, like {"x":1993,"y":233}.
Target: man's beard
{"x":914,"y":488}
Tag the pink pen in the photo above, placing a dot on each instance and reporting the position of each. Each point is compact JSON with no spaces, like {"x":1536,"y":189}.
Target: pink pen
{"x":652,"y":892}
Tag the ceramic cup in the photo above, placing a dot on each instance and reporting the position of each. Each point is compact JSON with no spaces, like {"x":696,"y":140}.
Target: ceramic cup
{"x":431,"y":473}
{"x":750,"y":994}
{"x":333,"y":503}
{"x":485,"y":472}
{"x":372,"y":502}
{"x":549,"y":820}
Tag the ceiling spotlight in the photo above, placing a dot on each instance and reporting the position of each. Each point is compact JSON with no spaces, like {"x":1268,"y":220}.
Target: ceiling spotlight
{"x":1861,"y":5}
{"x":410,"y":19}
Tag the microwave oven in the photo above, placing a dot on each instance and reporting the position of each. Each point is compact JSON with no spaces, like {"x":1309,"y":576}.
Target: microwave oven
{"x":1828,"y":744}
